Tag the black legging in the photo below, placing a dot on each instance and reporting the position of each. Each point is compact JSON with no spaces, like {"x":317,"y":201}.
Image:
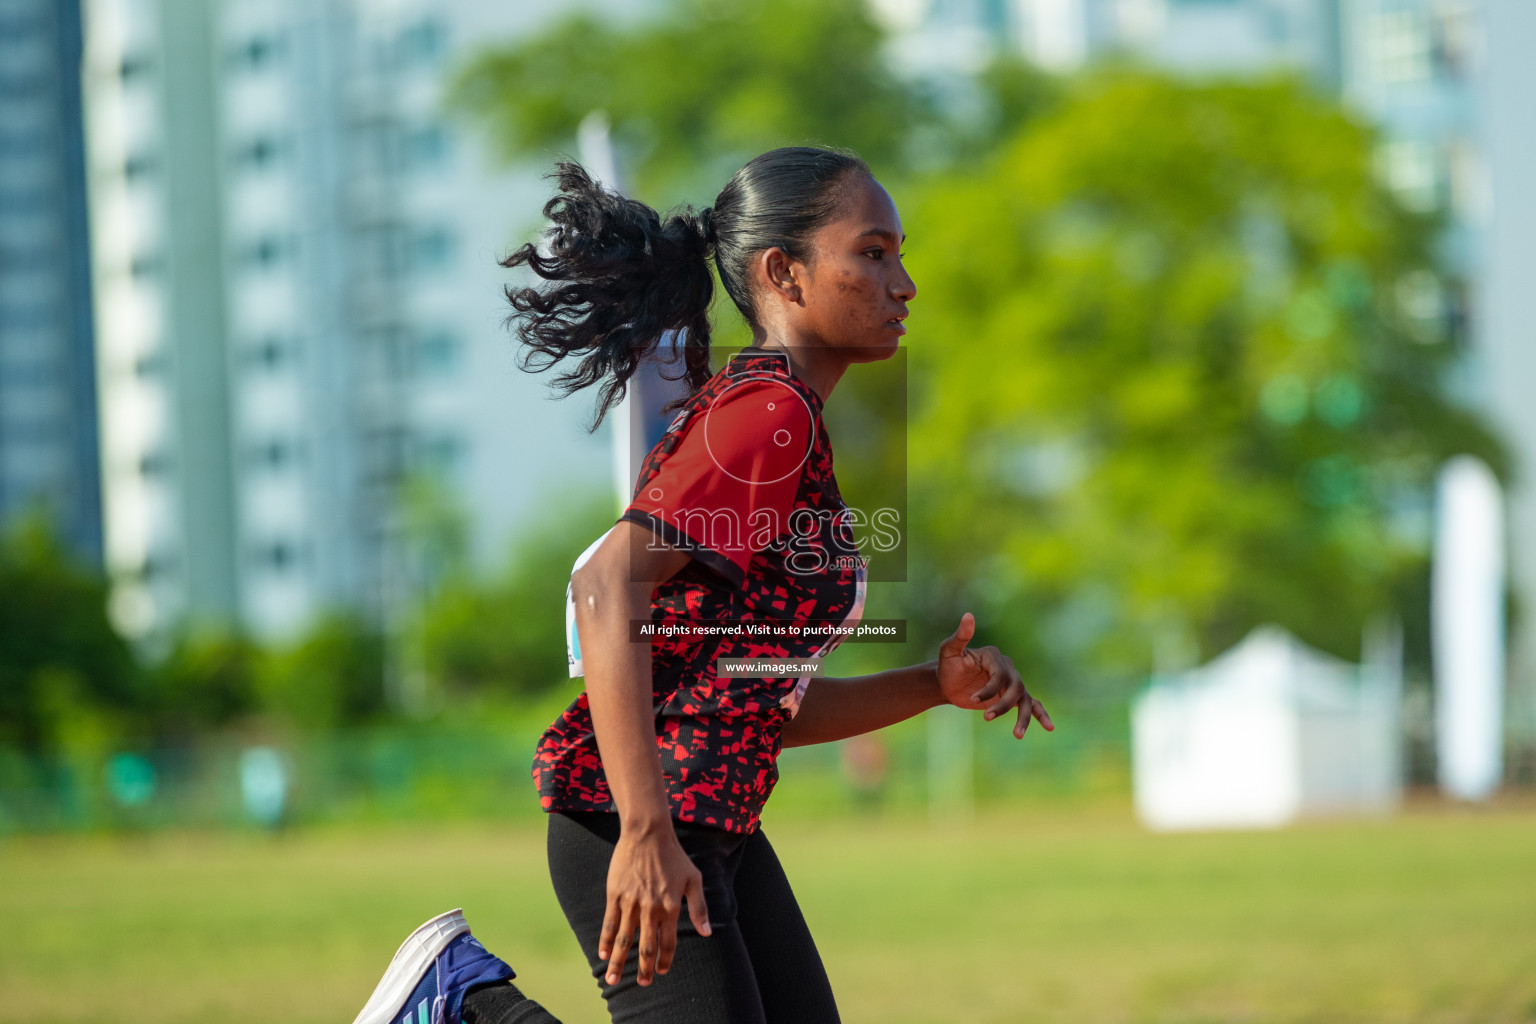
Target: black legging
{"x":759,"y":965}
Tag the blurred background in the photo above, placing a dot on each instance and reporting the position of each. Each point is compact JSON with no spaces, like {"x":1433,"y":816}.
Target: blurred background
{"x":1216,"y":411}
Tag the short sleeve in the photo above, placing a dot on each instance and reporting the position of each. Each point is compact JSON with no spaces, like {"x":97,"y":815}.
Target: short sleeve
{"x":728,"y":488}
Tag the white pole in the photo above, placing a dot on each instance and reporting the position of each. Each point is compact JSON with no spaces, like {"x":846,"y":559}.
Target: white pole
{"x":1467,"y":607}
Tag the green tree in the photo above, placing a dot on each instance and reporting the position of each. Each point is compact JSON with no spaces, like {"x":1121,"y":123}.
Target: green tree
{"x":60,"y":657}
{"x":208,"y":680}
{"x":502,"y":636}
{"x":698,"y":91}
{"x":741,"y":78}
{"x":331,"y":676}
{"x":1170,"y":377}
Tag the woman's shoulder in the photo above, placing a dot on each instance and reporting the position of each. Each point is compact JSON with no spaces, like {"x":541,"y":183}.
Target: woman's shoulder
{"x":755,"y":394}
{"x":755,"y":426}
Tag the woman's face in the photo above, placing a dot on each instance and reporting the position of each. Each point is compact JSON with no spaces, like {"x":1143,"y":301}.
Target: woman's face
{"x":854,"y":290}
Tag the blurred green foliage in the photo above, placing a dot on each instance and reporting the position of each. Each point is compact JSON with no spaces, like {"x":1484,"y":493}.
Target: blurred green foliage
{"x":64,"y":671}
{"x":740,"y":78}
{"x":698,"y":92}
{"x":500,"y":636}
{"x":1168,"y":387}
{"x":208,"y":679}
{"x":71,"y":685}
{"x":332,"y":676}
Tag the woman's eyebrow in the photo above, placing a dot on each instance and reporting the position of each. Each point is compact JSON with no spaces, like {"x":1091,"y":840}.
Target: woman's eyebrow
{"x":889,"y":236}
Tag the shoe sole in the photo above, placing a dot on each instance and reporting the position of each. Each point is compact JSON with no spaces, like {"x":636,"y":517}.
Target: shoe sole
{"x":410,"y":963}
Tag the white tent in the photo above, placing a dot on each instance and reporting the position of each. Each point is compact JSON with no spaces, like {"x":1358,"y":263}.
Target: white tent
{"x":1268,"y":732}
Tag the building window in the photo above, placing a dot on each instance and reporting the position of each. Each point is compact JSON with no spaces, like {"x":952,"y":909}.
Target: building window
{"x":1455,"y":39}
{"x":271,"y":353}
{"x":1411,"y":169}
{"x":29,"y":317}
{"x":257,"y":52}
{"x":381,"y":250}
{"x":149,"y":365}
{"x":144,"y":266}
{"x":25,"y":143}
{"x":425,"y":147}
{"x":22,"y":258}
{"x":134,"y":67}
{"x":422,"y":43}
{"x":259,"y":153}
{"x":156,"y":566}
{"x":431,"y":249}
{"x":277,"y":555}
{"x":153,"y":465}
{"x":384,"y":453}
{"x":139,"y":166}
{"x":440,"y":453}
{"x":276,"y":454}
{"x":265,"y":253}
{"x":24,"y":86}
{"x":23,"y":200}
{"x":1399,"y":43}
{"x":435,"y":354}
{"x":376,"y":147}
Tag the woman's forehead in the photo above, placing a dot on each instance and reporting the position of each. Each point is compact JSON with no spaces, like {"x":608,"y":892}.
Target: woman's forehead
{"x":867,"y":208}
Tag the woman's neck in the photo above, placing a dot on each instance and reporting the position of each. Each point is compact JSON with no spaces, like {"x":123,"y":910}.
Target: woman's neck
{"x":820,"y":367}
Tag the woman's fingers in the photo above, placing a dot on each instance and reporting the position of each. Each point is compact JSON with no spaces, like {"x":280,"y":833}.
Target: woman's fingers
{"x":698,"y":913}
{"x":1012,"y":694}
{"x":650,"y":942}
{"x":667,"y":935}
{"x":622,"y":941}
{"x":656,"y":924}
{"x":997,"y":674}
{"x":1032,"y":708}
{"x":611,"y":918}
{"x":1038,"y":711}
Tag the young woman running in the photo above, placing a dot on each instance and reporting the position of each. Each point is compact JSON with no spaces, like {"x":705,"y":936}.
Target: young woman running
{"x":655,"y":776}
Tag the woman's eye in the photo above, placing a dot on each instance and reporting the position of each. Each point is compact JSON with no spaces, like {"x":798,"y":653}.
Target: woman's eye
{"x":874,"y":253}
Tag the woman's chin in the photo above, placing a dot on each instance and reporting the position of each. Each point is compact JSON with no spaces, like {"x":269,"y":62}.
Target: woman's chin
{"x":880,"y":347}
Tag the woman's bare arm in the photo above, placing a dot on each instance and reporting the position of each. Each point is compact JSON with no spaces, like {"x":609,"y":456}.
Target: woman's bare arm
{"x":834,"y":709}
{"x":611,"y":589}
{"x":650,"y":875}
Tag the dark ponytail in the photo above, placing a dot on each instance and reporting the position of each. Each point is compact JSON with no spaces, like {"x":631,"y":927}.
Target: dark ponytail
{"x":624,"y":276}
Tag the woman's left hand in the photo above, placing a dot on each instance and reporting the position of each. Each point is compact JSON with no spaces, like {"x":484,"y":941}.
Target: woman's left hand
{"x":984,"y":678}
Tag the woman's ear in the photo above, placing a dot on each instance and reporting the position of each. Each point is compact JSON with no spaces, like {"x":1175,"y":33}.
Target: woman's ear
{"x":780,"y":274}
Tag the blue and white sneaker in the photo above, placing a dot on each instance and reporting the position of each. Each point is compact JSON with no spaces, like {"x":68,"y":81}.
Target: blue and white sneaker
{"x":431,"y":971}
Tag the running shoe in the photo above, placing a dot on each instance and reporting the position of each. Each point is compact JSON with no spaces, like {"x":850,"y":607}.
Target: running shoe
{"x":431,"y":971}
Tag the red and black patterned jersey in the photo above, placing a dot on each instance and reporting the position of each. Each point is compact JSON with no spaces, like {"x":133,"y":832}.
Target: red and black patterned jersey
{"x":742,"y":480}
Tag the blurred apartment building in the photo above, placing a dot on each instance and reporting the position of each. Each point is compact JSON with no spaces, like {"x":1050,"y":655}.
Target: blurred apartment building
{"x":300,"y":309}
{"x":1450,"y":83}
{"x":48,"y":447}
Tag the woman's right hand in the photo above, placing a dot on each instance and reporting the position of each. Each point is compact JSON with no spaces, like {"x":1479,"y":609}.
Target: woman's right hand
{"x":649,"y":877}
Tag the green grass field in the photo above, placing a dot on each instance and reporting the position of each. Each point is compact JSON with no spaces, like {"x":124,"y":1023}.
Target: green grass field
{"x":1036,"y":914}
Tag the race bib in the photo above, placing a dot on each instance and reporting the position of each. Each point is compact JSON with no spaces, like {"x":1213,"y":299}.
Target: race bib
{"x":572,"y":641}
